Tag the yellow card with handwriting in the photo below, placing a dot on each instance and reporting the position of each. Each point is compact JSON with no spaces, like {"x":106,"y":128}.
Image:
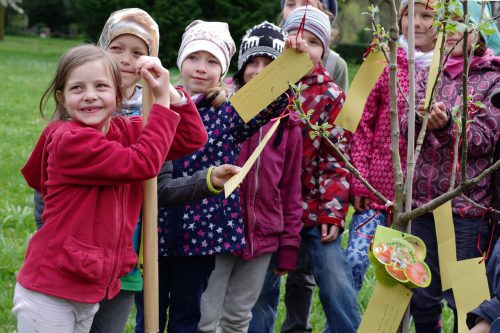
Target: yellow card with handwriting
{"x":366,"y":77}
{"x":235,"y":180}
{"x":445,"y":235}
{"x":433,"y":70}
{"x":470,"y":287}
{"x":270,"y":83}
{"x":385,"y":309}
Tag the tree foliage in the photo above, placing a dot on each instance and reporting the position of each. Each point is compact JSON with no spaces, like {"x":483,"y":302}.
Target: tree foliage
{"x":173,"y":17}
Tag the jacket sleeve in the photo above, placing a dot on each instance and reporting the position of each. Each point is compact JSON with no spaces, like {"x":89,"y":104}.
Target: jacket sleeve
{"x":362,"y":139}
{"x":85,"y":156}
{"x":243,"y":131}
{"x":333,"y":175}
{"x":181,"y":190}
{"x":291,"y":193}
{"x":191,"y":134}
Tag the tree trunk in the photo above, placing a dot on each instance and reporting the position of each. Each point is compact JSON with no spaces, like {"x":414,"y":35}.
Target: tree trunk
{"x":2,"y":22}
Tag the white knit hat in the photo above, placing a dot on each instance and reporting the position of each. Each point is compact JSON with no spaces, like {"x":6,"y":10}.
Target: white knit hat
{"x":212,"y":37}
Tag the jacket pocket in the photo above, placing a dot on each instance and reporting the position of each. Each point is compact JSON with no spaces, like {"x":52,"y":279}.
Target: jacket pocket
{"x":81,"y":261}
{"x":129,"y":261}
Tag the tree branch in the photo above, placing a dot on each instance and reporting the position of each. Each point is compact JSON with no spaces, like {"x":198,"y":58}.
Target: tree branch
{"x":438,"y":201}
{"x":396,"y":159}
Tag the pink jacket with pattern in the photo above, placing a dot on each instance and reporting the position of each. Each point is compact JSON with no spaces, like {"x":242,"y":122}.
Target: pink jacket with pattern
{"x":371,"y":143}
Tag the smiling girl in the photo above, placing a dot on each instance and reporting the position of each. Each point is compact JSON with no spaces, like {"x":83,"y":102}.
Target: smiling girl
{"x":434,"y":167}
{"x":88,"y":165}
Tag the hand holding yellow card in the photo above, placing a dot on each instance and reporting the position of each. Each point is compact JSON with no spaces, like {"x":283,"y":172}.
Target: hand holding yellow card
{"x":270,"y":83}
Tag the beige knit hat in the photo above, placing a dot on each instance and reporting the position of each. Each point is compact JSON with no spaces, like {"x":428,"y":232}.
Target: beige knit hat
{"x":212,"y":37}
{"x":132,"y":21}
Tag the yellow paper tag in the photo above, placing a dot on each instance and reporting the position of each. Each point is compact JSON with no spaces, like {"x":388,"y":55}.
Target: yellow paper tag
{"x":470,"y":287}
{"x":361,"y":86}
{"x":445,"y":235}
{"x":433,"y":70}
{"x":270,"y":83}
{"x":236,"y":180}
{"x":385,"y":309}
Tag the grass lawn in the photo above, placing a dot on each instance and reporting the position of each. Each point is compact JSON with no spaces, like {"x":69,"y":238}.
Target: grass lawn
{"x":27,"y":66}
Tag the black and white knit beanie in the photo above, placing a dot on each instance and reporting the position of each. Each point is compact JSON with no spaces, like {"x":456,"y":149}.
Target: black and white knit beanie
{"x":265,"y":39}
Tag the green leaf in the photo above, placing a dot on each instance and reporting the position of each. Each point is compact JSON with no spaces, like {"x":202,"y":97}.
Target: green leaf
{"x":479,"y":104}
{"x":487,"y":28}
{"x":313,"y":134}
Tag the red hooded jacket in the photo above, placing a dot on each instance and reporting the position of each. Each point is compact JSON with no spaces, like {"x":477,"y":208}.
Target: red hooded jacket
{"x":91,"y":183}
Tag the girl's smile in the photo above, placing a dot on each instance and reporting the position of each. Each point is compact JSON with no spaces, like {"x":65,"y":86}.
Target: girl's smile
{"x":89,"y":95}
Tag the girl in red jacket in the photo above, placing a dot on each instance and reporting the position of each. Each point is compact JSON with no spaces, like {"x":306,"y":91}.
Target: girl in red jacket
{"x":88,"y":165}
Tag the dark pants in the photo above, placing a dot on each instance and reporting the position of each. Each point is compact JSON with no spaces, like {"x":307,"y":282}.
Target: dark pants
{"x":113,"y":313}
{"x":426,"y":307}
{"x":182,"y":281}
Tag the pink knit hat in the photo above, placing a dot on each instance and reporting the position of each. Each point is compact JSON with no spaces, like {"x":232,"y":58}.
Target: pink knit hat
{"x":212,"y":37}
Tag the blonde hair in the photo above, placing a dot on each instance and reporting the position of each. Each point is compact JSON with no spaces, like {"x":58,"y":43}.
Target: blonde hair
{"x":217,"y":95}
{"x":71,"y":60}
{"x":321,"y":7}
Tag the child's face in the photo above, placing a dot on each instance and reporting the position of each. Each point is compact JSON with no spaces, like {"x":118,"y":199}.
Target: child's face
{"x":425,"y":33}
{"x":89,"y":95}
{"x":126,"y":49}
{"x":314,"y":45}
{"x":290,"y":5}
{"x":200,"y":72}
{"x":254,"y":66}
{"x":452,"y":39}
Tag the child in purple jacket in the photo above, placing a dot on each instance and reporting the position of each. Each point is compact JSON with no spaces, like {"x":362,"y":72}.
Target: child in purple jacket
{"x":434,"y":167}
{"x":270,"y":202}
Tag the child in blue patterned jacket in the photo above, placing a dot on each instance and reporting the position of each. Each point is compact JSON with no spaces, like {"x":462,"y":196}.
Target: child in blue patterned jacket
{"x":191,"y":235}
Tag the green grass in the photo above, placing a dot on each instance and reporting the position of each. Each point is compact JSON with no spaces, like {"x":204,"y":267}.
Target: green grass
{"x":27,"y":66}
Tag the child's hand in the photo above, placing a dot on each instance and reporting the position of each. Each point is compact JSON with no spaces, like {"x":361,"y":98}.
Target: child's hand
{"x":297,"y":43}
{"x":157,"y":77}
{"x":482,"y":327}
{"x":329,"y":233}
{"x":438,"y":116}
{"x":221,"y":174}
{"x":175,"y":95}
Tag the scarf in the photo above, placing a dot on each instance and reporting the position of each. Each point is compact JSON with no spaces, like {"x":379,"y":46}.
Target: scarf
{"x":455,"y":65}
{"x":422,"y":59}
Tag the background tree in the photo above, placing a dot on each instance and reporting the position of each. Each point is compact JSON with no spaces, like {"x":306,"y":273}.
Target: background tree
{"x":3,"y":6}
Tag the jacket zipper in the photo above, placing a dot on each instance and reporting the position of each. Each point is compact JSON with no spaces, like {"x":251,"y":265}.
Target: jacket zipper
{"x":256,"y":178}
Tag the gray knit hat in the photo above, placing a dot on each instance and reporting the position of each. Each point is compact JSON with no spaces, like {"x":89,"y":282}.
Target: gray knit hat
{"x":265,"y":39}
{"x":316,"y":22}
